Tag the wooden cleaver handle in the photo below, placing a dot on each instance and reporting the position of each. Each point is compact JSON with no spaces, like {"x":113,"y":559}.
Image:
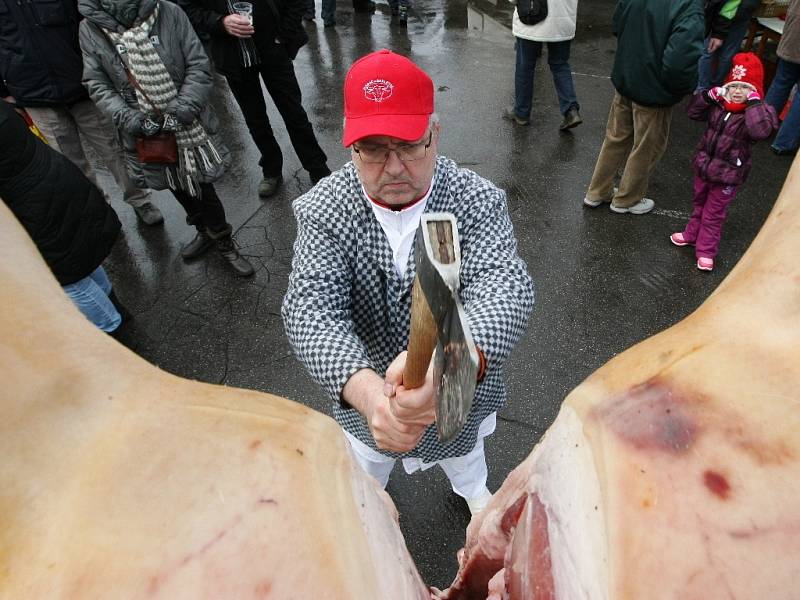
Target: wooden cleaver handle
{"x":422,"y":339}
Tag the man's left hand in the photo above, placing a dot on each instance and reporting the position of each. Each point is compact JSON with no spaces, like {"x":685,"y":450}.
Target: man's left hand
{"x":413,"y":407}
{"x":713,"y":44}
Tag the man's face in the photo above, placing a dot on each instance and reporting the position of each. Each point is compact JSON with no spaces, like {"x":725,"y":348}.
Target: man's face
{"x":396,"y":182}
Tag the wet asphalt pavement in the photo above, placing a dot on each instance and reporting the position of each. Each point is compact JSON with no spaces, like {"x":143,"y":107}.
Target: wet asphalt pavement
{"x":603,"y":281}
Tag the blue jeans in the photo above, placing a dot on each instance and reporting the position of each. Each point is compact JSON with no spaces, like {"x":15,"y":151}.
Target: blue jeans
{"x":90,"y":295}
{"x":528,"y":53}
{"x":708,"y":77}
{"x":787,"y":75}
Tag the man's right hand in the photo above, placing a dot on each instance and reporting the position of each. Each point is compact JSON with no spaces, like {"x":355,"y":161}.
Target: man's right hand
{"x":366,"y":392}
{"x":390,"y":433}
{"x":238,"y":26}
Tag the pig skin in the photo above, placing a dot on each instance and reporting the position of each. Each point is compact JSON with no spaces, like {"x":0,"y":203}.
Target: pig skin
{"x":673,"y":472}
{"x":118,"y":480}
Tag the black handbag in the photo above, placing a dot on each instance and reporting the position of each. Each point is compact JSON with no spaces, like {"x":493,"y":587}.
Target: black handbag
{"x":532,"y":12}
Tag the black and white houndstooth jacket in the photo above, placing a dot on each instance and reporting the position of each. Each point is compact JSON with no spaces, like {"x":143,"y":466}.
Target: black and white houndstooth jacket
{"x":347,"y":309}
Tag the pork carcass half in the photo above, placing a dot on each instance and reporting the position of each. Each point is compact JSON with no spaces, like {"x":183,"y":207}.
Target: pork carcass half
{"x":118,"y":480}
{"x":673,"y":472}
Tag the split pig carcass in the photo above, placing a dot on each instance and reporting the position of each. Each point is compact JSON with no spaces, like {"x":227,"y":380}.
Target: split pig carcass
{"x":118,"y":480}
{"x":673,"y":472}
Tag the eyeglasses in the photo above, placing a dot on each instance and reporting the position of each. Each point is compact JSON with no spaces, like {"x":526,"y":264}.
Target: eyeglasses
{"x":378,"y":154}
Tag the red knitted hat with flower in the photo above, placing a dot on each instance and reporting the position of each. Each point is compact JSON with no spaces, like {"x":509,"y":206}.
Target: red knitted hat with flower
{"x":747,"y":68}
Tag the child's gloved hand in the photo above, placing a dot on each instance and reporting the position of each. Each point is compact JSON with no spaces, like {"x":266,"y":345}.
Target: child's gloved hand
{"x":753,"y":96}
{"x":170,"y":123}
{"x":716,"y":94}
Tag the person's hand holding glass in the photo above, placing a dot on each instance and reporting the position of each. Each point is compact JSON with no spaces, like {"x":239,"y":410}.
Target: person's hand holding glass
{"x":240,"y":23}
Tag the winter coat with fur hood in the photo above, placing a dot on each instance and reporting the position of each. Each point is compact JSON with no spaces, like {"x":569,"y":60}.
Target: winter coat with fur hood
{"x":187,"y":63}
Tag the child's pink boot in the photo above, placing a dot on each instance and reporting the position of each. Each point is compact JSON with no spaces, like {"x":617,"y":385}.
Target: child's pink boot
{"x":678,"y":239}
{"x":705,"y":264}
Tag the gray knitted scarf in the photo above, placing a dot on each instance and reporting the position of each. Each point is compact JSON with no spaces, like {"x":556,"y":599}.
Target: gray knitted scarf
{"x":196,"y":152}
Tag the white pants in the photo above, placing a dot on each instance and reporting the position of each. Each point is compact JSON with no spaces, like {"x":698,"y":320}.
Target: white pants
{"x":467,"y":474}
{"x":60,"y":126}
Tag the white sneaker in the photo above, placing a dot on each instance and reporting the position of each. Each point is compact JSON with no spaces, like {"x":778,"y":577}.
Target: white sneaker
{"x":593,"y":203}
{"x":596,"y":203}
{"x":479,"y":502}
{"x":645,"y":205}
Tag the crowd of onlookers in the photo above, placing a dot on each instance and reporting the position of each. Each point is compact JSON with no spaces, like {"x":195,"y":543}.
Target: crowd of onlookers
{"x":665,"y":51}
{"x":132,"y":78}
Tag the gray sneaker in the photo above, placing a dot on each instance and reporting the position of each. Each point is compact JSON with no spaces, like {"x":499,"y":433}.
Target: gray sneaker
{"x":269,"y":185}
{"x":149,"y":214}
{"x":510,"y":115}
{"x":571,"y":119}
{"x":645,"y":205}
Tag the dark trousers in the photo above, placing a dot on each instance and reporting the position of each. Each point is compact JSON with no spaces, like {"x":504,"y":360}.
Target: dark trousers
{"x":278,"y":74}
{"x":205,"y":211}
{"x":704,"y":228}
{"x":528,"y":52}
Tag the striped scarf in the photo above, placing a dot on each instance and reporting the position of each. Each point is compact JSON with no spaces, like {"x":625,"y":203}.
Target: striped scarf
{"x":196,"y":151}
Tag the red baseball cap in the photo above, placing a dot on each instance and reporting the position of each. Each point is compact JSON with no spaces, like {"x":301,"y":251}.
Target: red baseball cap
{"x":386,"y":94}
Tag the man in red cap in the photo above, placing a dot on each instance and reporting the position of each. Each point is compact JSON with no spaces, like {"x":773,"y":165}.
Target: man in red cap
{"x":348,"y":304}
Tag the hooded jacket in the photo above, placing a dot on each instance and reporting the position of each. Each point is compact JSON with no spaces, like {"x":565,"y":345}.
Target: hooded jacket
{"x":723,"y":154}
{"x":182,"y":54}
{"x":658,"y":45}
{"x":40,"y":60}
{"x":67,"y":217}
{"x":719,"y":16}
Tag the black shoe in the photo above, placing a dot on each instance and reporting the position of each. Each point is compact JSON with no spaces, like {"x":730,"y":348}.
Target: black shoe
{"x":782,"y":152}
{"x":269,"y":185}
{"x":330,"y":22}
{"x":510,"y":115}
{"x":198,"y":246}
{"x":571,"y":119}
{"x":241,"y":266}
{"x":121,"y":308}
{"x":317,"y":174}
{"x":148,"y":214}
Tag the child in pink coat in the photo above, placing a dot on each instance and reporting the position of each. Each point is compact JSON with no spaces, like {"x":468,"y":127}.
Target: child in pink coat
{"x":737,"y":119}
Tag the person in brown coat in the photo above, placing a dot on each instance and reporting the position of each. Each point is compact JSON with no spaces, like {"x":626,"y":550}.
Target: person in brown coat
{"x":787,"y":75}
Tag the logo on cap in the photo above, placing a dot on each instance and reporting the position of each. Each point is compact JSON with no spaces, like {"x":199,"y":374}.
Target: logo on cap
{"x":378,"y":90}
{"x":738,"y":72}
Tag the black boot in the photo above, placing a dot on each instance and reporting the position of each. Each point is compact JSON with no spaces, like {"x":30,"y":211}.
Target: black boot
{"x":227,"y":248}
{"x":198,"y":246}
{"x":121,"y":308}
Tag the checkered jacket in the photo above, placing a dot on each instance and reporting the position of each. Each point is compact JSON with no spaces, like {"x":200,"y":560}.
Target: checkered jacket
{"x":346,"y":308}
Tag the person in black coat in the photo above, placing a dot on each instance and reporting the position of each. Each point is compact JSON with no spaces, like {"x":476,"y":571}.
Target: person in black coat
{"x":264,"y":45}
{"x":40,"y":70}
{"x":64,"y":213}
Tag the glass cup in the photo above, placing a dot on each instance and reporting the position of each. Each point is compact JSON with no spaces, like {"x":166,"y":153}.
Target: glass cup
{"x":245,"y":9}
